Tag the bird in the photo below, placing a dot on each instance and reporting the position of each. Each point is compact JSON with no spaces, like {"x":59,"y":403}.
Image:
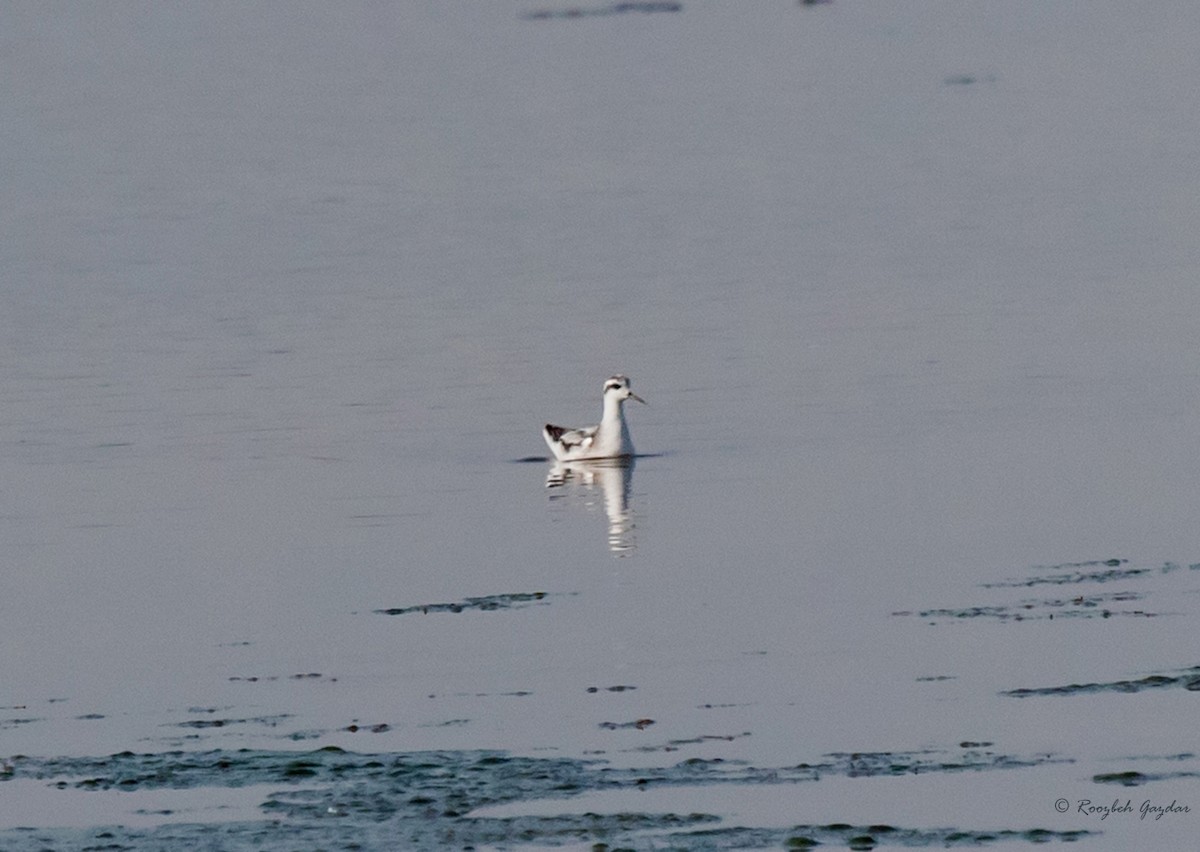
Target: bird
{"x":609,"y":439}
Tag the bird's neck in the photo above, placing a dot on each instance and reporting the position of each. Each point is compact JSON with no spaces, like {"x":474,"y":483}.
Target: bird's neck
{"x":612,"y":410}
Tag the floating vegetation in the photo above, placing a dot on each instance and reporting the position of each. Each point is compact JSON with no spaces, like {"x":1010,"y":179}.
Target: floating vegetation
{"x":675,"y":745}
{"x":309,"y":676}
{"x":1070,"y":573}
{"x":431,"y":800}
{"x":512,"y":693}
{"x":1096,"y":605}
{"x":13,"y":723}
{"x":377,"y":728}
{"x":266,"y":721}
{"x":1126,"y":779}
{"x":622,"y":8}
{"x":486,"y":603}
{"x":638,"y":724}
{"x":1083,"y":606}
{"x":972,"y":757}
{"x":1136,"y":778}
{"x":1187,"y":678}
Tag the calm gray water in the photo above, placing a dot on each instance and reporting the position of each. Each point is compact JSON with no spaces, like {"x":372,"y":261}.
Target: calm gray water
{"x":289,"y":289}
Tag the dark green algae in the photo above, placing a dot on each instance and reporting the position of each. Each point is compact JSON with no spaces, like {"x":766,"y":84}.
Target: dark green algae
{"x":1133,"y":778}
{"x":1072,"y":577}
{"x":1188,"y":679}
{"x":484,"y":603}
{"x":1081,"y":576}
{"x":334,"y":799}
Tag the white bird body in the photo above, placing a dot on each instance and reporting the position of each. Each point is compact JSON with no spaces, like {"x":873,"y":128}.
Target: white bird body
{"x":608,"y":439}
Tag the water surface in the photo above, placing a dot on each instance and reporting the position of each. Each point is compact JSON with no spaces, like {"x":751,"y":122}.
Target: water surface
{"x":288,"y":293}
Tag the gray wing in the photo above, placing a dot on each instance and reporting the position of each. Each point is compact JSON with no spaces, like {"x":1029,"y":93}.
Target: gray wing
{"x":571,"y":437}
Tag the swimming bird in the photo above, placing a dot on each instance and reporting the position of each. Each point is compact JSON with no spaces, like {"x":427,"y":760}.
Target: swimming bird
{"x":609,"y":439}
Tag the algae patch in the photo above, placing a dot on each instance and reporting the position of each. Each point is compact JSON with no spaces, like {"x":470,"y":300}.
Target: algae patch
{"x":1187,"y":679}
{"x":1078,"y":603}
{"x":486,"y":603}
{"x":426,"y":800}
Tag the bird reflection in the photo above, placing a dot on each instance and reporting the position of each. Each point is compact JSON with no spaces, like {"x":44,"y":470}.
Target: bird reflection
{"x":611,"y":478}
